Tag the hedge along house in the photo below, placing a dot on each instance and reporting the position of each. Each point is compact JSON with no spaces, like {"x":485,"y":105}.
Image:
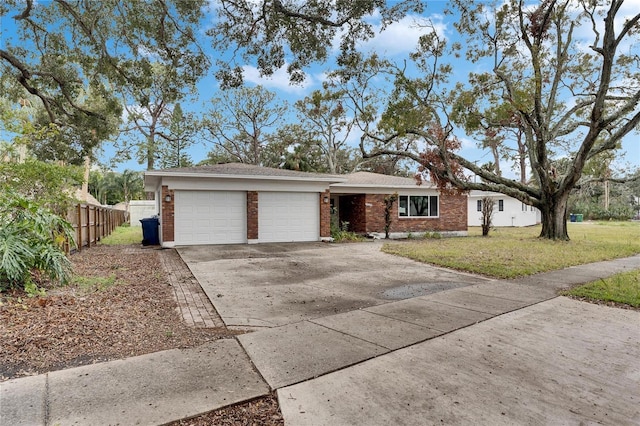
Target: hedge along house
{"x":239,"y":203}
{"x":359,"y":201}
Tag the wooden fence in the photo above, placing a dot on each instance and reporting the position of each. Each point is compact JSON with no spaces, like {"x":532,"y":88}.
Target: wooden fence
{"x":92,"y":223}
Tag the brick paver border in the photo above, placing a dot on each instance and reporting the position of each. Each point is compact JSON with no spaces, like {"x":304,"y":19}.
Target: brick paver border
{"x":193,"y":304}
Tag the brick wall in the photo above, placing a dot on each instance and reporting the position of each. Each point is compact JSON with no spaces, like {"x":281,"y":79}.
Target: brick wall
{"x":167,"y":215}
{"x":374,"y":208}
{"x":454,"y":212}
{"x":325,"y":214}
{"x":367,"y":215}
{"x":252,"y":215}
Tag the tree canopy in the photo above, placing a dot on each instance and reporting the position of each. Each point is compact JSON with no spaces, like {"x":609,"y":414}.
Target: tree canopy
{"x":275,"y":33}
{"x":76,"y":58}
{"x":567,"y":99}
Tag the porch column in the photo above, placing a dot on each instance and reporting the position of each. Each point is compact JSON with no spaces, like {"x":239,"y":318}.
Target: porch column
{"x":252,"y":217}
{"x":325,"y":215}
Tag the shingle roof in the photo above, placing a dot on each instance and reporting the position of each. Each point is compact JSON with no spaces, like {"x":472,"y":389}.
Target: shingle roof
{"x":240,"y":169}
{"x":357,"y":179}
{"x":368,"y":179}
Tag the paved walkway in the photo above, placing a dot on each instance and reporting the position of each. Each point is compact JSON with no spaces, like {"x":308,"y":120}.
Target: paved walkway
{"x":503,"y":352}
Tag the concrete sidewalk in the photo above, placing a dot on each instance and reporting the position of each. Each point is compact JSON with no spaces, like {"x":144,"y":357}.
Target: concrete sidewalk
{"x":145,"y":390}
{"x":437,"y":357}
{"x":560,"y":362}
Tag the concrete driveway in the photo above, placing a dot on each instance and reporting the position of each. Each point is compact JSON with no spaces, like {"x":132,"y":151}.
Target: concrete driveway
{"x":270,"y":285}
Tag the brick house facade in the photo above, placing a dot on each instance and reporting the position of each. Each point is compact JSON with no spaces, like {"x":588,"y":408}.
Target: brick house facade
{"x":360,"y":203}
{"x":238,"y":203}
{"x":365,"y":214}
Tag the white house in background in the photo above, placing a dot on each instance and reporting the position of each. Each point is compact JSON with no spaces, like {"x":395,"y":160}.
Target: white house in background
{"x":507,"y":211}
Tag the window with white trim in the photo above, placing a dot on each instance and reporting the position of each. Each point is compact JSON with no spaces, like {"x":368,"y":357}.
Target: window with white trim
{"x":418,"y":206}
{"x":479,"y":205}
{"x":500,"y":205}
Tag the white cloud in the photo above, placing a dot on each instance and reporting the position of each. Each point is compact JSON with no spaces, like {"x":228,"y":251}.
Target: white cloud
{"x":278,"y":81}
{"x":466,"y":143}
{"x":402,"y":37}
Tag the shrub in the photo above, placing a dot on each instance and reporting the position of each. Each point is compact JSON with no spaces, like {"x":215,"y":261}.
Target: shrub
{"x":31,"y":239}
{"x":343,"y":234}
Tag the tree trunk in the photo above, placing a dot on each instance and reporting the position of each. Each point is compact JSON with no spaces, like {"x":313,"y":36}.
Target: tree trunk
{"x":554,"y":218}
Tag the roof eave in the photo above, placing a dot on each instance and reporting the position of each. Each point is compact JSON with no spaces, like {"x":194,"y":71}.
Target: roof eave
{"x":370,"y":185}
{"x":330,"y":180}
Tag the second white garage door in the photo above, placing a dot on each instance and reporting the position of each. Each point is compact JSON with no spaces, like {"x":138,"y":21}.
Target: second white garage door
{"x":288,"y":216}
{"x":210,"y":217}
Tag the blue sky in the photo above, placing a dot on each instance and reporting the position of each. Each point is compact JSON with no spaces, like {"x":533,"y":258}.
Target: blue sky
{"x":396,"y":43}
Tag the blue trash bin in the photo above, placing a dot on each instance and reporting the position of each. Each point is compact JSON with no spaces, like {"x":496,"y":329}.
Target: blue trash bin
{"x":572,"y":217}
{"x":150,"y":235}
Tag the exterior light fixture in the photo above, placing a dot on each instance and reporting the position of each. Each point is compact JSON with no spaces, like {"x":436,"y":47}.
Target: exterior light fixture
{"x":167,"y":198}
{"x":325,"y":199}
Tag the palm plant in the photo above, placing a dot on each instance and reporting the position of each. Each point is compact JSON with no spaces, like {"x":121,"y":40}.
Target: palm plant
{"x":31,"y":239}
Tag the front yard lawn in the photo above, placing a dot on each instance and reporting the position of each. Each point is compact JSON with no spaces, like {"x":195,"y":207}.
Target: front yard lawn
{"x":516,"y":252}
{"x":620,"y":288}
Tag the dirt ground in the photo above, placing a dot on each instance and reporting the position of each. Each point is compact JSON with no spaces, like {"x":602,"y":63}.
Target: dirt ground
{"x":119,"y":305}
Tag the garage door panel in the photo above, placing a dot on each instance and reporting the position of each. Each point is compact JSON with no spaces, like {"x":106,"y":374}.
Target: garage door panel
{"x":288,"y":216}
{"x":210,"y":217}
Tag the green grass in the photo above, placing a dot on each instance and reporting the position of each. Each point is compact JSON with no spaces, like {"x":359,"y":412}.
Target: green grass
{"x":93,"y":284}
{"x":515,"y":252}
{"x":124,"y":235}
{"x":620,"y":288}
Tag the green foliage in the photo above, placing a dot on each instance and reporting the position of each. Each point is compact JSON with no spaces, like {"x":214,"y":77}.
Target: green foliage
{"x":51,"y":185}
{"x":182,"y":129}
{"x":31,"y":239}
{"x":594,"y":211}
{"x":112,"y":188}
{"x":275,"y":32}
{"x":341,"y":234}
{"x":82,"y":55}
{"x":590,"y":198}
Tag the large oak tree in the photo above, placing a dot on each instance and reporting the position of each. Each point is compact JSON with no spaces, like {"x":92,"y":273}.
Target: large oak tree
{"x":568,"y":72}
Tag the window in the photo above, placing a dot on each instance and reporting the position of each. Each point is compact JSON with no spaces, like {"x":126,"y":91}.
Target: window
{"x":524,"y":207}
{"x":500,"y":205}
{"x":479,"y":205}
{"x":418,"y":206}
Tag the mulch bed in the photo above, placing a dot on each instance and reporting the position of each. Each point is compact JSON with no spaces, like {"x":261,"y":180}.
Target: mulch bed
{"x":258,"y":412}
{"x":121,"y":306}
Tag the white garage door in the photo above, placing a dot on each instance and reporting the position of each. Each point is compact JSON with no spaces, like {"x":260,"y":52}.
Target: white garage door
{"x":288,"y":216}
{"x":210,"y":217}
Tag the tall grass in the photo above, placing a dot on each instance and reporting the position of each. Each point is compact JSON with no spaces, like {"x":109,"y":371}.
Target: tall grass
{"x":124,"y":235}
